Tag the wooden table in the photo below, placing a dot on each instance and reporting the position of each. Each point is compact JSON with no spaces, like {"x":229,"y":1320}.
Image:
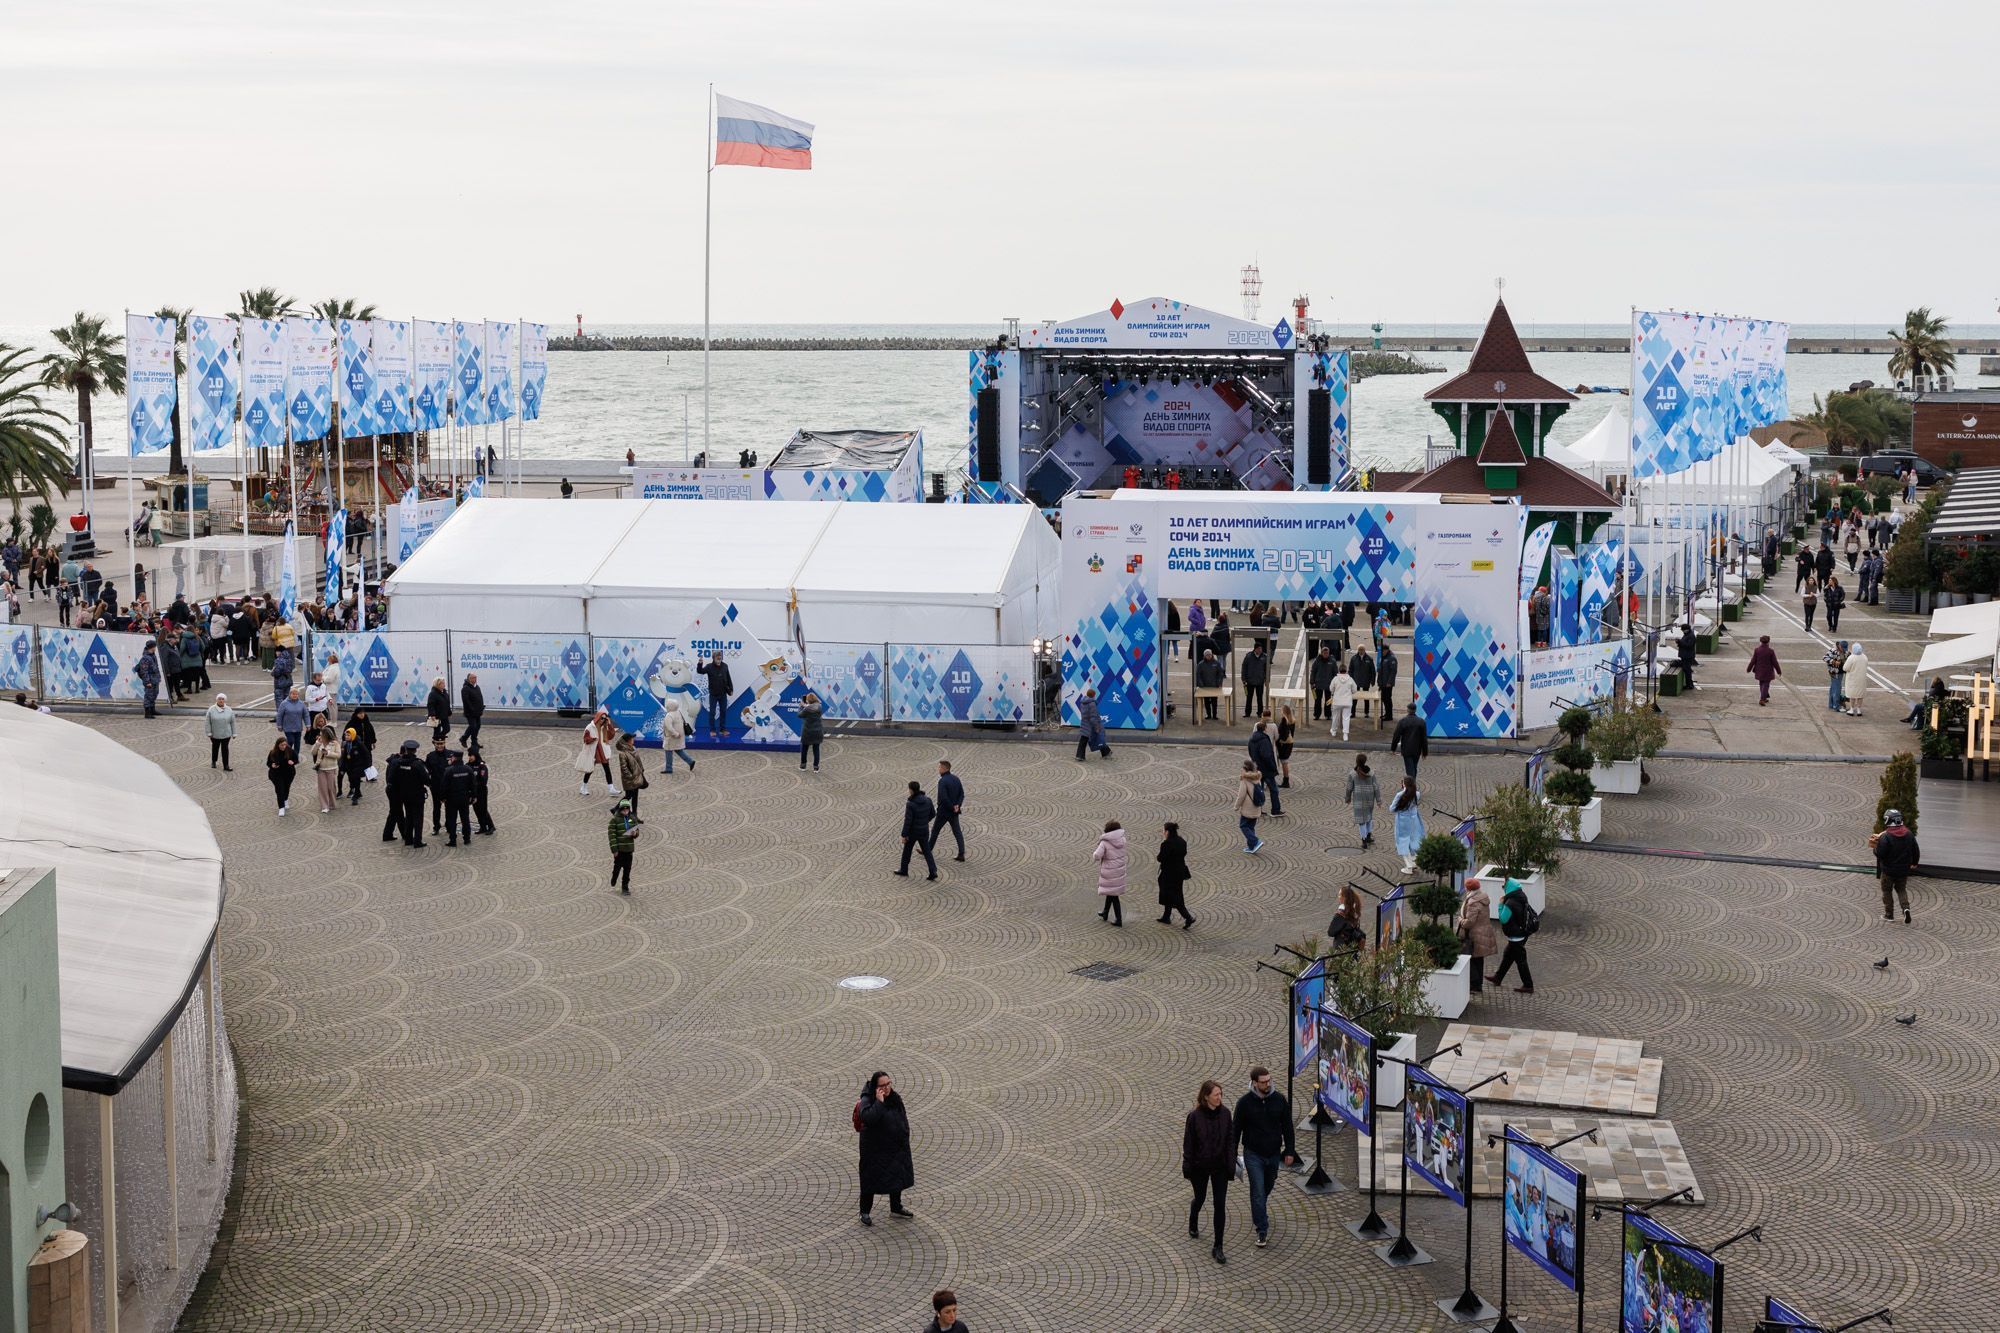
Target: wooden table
{"x":1226,"y":693}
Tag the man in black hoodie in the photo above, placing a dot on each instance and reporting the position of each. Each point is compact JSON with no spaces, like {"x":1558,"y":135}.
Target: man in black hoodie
{"x":1266,"y":1137}
{"x":918,"y":812}
{"x":1896,"y":856}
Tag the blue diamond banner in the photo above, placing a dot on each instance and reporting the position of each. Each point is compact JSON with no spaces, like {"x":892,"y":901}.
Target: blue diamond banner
{"x":529,"y":672}
{"x":381,"y":667}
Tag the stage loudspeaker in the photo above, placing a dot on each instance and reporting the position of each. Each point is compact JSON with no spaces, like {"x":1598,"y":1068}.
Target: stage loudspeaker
{"x":1319,"y":437}
{"x":989,"y":434}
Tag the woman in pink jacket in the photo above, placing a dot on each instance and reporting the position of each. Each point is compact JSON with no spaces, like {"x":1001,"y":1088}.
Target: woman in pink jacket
{"x":1110,"y":858}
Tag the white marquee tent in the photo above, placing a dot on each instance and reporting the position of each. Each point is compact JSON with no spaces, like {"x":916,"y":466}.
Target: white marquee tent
{"x":862,"y":573}
{"x":1605,"y":450}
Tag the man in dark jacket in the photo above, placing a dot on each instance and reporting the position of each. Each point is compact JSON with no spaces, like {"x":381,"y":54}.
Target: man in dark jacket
{"x":950,"y":800}
{"x":472,"y":699}
{"x":1256,"y":669}
{"x":1361,"y":666}
{"x":1832,"y":597}
{"x":886,"y":1167}
{"x":720,"y":691}
{"x":1684,"y":647}
{"x":1823,"y":561}
{"x":404,"y":783}
{"x":1896,"y":856}
{"x":1264,"y":754}
{"x":1385,"y":679}
{"x":1218,"y":636}
{"x":480,"y":776}
{"x":1208,"y":676}
{"x":1266,"y":1137}
{"x":1410,"y":740}
{"x":147,"y":669}
{"x":436,"y":764}
{"x":917,"y":815}
{"x":458,"y":788}
{"x":1320,"y":677}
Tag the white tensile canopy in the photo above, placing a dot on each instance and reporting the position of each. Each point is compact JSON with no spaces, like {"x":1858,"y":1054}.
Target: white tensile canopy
{"x":485,"y":557}
{"x":862,"y":573}
{"x":1784,"y":453}
{"x":138,"y":886}
{"x":1604,"y":450}
{"x":1977,"y":639}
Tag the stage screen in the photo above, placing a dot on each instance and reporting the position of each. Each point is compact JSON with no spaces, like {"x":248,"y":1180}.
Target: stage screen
{"x":1189,"y":424}
{"x":1540,"y":1195}
{"x":1788,"y":1318}
{"x":1435,"y":1118}
{"x":1666,"y":1284}
{"x":1346,"y":1071}
{"x":1308,"y":994}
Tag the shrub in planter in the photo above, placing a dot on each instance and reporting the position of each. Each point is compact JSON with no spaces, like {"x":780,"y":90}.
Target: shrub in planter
{"x":1899,"y":791}
{"x":1942,"y":741}
{"x":1439,"y":942}
{"x":1522,"y":833}
{"x":1392,"y":978}
{"x":1852,"y":497}
{"x":1570,"y":788}
{"x":1575,"y":724}
{"x":1628,"y":733}
{"x":1575,"y":757}
{"x":1849,"y":471}
{"x":1440,"y":856}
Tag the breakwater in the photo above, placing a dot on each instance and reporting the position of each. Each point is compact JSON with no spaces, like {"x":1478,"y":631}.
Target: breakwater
{"x":682,"y":343}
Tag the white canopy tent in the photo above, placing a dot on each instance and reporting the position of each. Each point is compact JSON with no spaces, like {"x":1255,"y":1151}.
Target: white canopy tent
{"x":1784,"y":453}
{"x":984,"y":574}
{"x":637,"y":568}
{"x":138,"y":886}
{"x":1605,"y":450}
{"x":1976,"y":639}
{"x":486,"y":563}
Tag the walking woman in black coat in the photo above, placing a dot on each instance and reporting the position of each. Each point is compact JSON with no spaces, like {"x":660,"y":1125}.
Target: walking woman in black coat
{"x":885,"y":1147}
{"x":1172,"y":857}
{"x":1208,"y":1159}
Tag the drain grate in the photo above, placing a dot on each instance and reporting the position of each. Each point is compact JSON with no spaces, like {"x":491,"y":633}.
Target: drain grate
{"x":1103,"y":971}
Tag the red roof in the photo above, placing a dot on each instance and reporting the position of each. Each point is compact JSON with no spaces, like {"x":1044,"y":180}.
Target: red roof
{"x":1502,"y":447}
{"x":1499,"y":369}
{"x":1544,"y":484}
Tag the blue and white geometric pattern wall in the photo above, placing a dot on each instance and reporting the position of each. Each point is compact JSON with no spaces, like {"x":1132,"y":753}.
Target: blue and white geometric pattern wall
{"x":948,"y":683}
{"x":1115,"y":647}
{"x":848,"y":678}
{"x":17,"y":657}
{"x":91,"y":664}
{"x":381,"y":667}
{"x":535,"y":672}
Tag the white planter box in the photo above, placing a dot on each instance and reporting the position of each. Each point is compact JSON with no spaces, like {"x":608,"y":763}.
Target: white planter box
{"x":1589,"y":821}
{"x":1620,"y":777}
{"x":1495,"y":883}
{"x":1449,"y":990}
{"x":1389,"y":1077}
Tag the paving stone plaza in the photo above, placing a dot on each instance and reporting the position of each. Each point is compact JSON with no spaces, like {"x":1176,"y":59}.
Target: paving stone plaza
{"x":483,"y":1091}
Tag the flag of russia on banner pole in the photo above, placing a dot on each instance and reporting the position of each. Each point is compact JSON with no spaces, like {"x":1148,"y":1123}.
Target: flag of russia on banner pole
{"x":748,"y":135}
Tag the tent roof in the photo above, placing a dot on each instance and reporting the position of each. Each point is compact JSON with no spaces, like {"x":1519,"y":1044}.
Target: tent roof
{"x":905,"y":553}
{"x":863,"y":450}
{"x":740,"y":547}
{"x":498,"y":545}
{"x":1608,"y":442}
{"x":1784,"y":453}
{"x":1981,"y":648}
{"x":138,"y":886}
{"x":1976,"y":618}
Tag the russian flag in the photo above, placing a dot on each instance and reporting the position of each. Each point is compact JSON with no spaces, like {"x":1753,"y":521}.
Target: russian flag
{"x":748,"y":135}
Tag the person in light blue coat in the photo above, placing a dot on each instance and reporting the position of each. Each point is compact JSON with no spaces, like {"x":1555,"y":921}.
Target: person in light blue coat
{"x":1408,"y":809}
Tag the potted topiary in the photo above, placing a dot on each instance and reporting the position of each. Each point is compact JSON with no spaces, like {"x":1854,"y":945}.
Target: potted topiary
{"x":1383,"y":990}
{"x":1622,"y":740}
{"x":1899,"y":792}
{"x":1575,"y":789}
{"x":1522,"y":835}
{"x":1448,"y":986}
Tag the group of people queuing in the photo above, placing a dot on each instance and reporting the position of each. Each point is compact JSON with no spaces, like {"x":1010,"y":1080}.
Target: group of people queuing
{"x":1343,"y":678}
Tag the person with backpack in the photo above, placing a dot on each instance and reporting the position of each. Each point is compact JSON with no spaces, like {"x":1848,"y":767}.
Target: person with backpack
{"x":1518,"y":921}
{"x":886,"y":1167}
{"x":1249,"y":805}
{"x":1896,"y":855}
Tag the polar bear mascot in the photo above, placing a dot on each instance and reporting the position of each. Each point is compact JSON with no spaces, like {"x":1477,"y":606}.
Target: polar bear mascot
{"x":673,"y":685}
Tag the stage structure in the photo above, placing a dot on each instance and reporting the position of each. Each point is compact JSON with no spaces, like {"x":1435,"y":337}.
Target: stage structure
{"x":1157,"y":393}
{"x":1457,"y":565}
{"x":870,"y":466}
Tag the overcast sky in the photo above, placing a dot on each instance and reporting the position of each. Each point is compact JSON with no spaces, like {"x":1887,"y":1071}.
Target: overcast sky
{"x":1816,"y":162}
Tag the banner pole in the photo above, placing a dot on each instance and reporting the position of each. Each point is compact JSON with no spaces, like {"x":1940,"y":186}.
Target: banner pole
{"x":242,"y":456}
{"x":131,"y":518}
{"x":707,"y":232}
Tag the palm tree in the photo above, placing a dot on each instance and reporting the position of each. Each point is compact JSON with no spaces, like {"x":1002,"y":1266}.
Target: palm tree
{"x":179,"y":315}
{"x":1859,"y":422}
{"x":1922,"y":346}
{"x":34,"y":454}
{"x":265,"y":303}
{"x":88,"y":363}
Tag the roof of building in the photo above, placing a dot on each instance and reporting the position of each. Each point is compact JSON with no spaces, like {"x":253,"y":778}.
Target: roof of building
{"x":1502,"y":447}
{"x":1961,"y":397}
{"x":1499,"y":370}
{"x":1542,"y":484}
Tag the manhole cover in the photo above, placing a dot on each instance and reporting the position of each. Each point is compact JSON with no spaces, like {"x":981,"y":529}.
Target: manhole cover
{"x":863,"y":983}
{"x":1103,"y":971}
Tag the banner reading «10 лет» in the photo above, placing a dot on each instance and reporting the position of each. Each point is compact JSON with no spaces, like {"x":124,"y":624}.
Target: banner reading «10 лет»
{"x":1699,"y":382}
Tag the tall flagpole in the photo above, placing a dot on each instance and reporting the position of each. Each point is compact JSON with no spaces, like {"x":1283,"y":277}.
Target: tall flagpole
{"x":242,"y":429}
{"x":131,"y":520}
{"x":707,"y":227}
